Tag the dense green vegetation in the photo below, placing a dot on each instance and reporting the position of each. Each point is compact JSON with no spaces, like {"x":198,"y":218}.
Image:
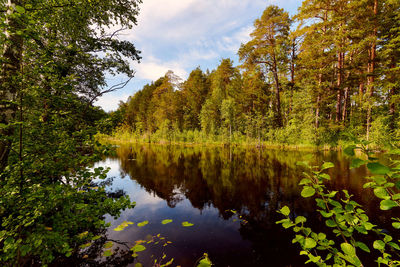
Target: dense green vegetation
{"x":346,"y":219}
{"x":312,"y":79}
{"x":51,"y":205}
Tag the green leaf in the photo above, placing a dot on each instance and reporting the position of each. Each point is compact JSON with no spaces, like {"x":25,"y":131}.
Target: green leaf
{"x":321,"y":236}
{"x":141,"y":224}
{"x":356,"y":163}
{"x":138,"y":264}
{"x":330,"y":223}
{"x":349,"y":151}
{"x":305,"y":164}
{"x":348,"y":249}
{"x":396,"y":225}
{"x":381,"y":193}
{"x":305,"y":181}
{"x":122,"y":226}
{"x":326,"y":214}
{"x":388,"y":204}
{"x":187,"y":224}
{"x":204,"y":263}
{"x":327,"y":165}
{"x":363,"y":246}
{"x":300,"y":219}
{"x":285,"y":210}
{"x":168,"y":263}
{"x":108,"y":244}
{"x":377,"y":168}
{"x":166,"y":221}
{"x":107,"y":253}
{"x":379,"y":245}
{"x":307,"y":191}
{"x":394,"y":245}
{"x":309,"y":243}
{"x":20,"y":9}
{"x":324,"y":176}
{"x":138,"y":248}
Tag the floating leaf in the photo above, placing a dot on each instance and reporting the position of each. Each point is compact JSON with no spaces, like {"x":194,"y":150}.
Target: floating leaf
{"x":168,"y":263}
{"x":285,"y":210}
{"x":85,"y":245}
{"x":307,"y":191}
{"x":187,"y":224}
{"x":166,"y":221}
{"x":138,"y":248}
{"x":108,"y":244}
{"x":377,"y":168}
{"x":107,"y":253}
{"x":122,"y":226}
{"x":205,"y":261}
{"x":96,"y":237}
{"x":142,"y":223}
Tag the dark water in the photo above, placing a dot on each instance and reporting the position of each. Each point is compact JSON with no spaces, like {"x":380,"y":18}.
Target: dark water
{"x":203,"y":186}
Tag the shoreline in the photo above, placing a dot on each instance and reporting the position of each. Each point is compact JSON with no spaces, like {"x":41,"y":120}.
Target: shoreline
{"x":264,"y":145}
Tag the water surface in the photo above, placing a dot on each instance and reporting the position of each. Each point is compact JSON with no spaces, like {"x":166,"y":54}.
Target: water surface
{"x":230,"y":195}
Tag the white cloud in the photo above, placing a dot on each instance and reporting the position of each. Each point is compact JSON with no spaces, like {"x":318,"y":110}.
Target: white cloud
{"x":180,"y":35}
{"x":191,"y":20}
{"x":110,"y":101}
{"x":152,"y":69}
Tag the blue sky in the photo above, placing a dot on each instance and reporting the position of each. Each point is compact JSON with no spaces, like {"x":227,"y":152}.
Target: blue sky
{"x":180,"y":35}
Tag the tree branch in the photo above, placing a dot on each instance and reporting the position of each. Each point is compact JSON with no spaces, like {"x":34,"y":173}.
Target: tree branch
{"x":111,"y":89}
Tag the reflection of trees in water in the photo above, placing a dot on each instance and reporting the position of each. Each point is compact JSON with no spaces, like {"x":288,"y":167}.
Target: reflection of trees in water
{"x":92,"y":256}
{"x":253,"y":182}
{"x":229,"y":178}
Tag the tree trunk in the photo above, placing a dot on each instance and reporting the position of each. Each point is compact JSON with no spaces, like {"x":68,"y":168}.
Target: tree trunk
{"x":345,"y":104}
{"x":292,"y":66}
{"x":339,"y":94}
{"x":277,"y":93}
{"x":317,"y":111}
{"x":9,"y":80}
{"x":371,"y":70}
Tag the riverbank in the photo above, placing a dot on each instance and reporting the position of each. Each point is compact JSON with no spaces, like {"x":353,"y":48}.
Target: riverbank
{"x":126,"y":140}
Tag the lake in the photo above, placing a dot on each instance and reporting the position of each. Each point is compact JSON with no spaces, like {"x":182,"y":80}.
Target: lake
{"x":230,"y":195}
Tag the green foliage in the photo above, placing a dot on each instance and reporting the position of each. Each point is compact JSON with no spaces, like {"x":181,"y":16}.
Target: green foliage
{"x":52,"y":199}
{"x":345,"y":218}
{"x":312,"y":85}
{"x":204,"y":261}
{"x":187,"y":224}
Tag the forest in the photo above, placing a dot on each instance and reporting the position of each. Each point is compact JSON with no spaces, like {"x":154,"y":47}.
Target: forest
{"x":315,"y":78}
{"x":326,"y":76}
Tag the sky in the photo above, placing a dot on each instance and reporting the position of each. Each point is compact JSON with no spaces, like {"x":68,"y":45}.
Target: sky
{"x":181,"y":35}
